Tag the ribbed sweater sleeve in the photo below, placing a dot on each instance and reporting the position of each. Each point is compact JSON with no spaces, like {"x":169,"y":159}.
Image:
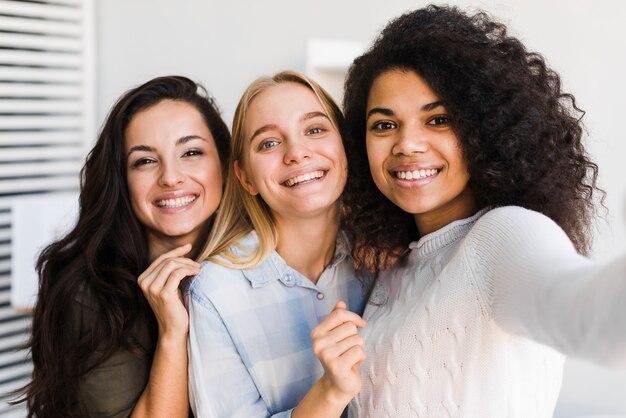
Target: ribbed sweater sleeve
{"x":535,"y":284}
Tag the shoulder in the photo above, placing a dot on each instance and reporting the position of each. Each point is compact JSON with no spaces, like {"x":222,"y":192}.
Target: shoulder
{"x":510,"y":233}
{"x":213,"y":274}
{"x":84,"y":298}
{"x":220,"y":273}
{"x":83,"y":310}
{"x":513,"y":215}
{"x":514,"y":223}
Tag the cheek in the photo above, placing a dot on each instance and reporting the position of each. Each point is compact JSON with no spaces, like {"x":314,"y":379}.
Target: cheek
{"x":213,"y":178}
{"x":376,"y":154}
{"x":340,"y":156}
{"x":136,"y":188}
{"x":207,"y":172}
{"x":263,"y":169}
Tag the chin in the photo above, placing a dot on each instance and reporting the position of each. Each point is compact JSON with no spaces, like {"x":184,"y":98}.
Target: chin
{"x":177,"y":232}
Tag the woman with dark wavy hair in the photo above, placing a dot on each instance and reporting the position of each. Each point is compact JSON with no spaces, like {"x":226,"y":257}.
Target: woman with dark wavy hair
{"x":468,"y":175}
{"x":102,"y":345}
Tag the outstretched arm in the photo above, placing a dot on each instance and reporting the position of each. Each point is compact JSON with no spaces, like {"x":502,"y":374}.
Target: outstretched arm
{"x":542,"y":288}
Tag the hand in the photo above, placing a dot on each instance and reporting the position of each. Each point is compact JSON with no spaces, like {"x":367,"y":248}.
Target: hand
{"x":339,"y":347}
{"x":160,"y":285}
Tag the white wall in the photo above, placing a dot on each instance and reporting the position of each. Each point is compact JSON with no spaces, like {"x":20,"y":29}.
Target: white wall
{"x":224,"y":44}
{"x":228,"y":44}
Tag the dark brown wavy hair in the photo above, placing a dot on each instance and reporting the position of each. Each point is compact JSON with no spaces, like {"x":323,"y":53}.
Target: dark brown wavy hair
{"x":520,"y":134}
{"x":104,"y":253}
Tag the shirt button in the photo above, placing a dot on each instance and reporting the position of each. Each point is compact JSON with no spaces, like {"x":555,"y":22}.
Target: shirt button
{"x":288,"y":278}
{"x":320,"y":296}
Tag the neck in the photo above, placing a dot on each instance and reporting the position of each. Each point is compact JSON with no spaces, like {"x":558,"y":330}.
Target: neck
{"x":308,"y":245}
{"x":160,"y":244}
{"x":461,"y":207}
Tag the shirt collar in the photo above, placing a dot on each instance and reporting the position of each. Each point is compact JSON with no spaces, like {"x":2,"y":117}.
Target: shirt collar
{"x":275,"y":268}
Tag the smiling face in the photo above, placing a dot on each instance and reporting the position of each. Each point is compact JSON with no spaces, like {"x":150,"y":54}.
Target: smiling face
{"x":174,"y":173}
{"x":293,"y":156}
{"x":414,"y":155}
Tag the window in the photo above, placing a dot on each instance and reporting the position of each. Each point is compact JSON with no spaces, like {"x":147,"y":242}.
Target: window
{"x":46,"y":125}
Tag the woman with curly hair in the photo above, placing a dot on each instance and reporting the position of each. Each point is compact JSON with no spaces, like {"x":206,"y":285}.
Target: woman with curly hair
{"x":109,"y":333}
{"x":468,"y":174}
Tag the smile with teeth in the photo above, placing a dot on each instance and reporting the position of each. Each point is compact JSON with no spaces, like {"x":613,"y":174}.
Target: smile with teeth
{"x":304,"y":178}
{"x":416,"y":174}
{"x":176,"y":203}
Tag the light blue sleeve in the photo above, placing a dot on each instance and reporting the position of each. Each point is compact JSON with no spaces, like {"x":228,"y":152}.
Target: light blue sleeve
{"x":219,"y":382}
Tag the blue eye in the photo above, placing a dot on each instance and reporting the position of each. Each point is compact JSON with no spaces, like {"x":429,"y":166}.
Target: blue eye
{"x":314,"y":131}
{"x":269,"y":144}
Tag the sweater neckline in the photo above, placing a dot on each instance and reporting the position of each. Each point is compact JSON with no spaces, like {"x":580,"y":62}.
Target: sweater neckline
{"x":444,"y":236}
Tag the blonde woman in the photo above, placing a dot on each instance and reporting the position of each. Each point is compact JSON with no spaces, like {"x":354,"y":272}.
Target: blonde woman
{"x":277,"y":264}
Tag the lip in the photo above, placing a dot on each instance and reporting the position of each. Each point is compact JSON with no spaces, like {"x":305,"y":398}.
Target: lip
{"x":414,"y":183}
{"x":185,"y":201}
{"x":414,"y":166}
{"x":301,"y":172}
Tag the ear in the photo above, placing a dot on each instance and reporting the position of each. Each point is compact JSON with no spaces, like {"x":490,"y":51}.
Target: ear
{"x":242,"y":176}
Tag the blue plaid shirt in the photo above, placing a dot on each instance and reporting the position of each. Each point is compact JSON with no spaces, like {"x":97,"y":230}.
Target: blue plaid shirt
{"x":250,"y":352}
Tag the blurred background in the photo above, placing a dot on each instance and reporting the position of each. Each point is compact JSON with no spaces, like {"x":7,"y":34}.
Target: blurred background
{"x":63,"y":63}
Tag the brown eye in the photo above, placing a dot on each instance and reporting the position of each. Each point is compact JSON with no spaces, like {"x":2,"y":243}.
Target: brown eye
{"x":439,"y":120}
{"x":141,"y":162}
{"x":193,"y":153}
{"x":383,"y":126}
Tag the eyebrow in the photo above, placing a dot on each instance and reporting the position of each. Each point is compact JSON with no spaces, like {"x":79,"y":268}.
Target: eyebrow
{"x":180,"y":141}
{"x":262,"y":129}
{"x":312,"y":115}
{"x":388,"y":112}
{"x":271,"y":126}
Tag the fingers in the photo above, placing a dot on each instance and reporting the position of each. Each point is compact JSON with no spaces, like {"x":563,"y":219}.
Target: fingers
{"x":175,"y":253}
{"x":341,"y":360}
{"x":337,"y":333}
{"x":165,"y":264}
{"x":340,"y":305}
{"x":160,"y":282}
{"x":336,"y":318}
{"x":344,"y":351}
{"x":354,"y":356}
{"x":168,"y":276}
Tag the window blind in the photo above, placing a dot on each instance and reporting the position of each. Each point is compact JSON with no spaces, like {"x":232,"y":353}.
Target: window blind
{"x":46,"y":125}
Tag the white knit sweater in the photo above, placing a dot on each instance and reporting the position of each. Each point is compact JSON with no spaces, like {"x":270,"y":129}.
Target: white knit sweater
{"x":472,"y":323}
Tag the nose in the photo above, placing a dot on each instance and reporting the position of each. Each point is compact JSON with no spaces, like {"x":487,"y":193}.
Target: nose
{"x":297,"y":151}
{"x":410,"y":140}
{"x":171,"y":174}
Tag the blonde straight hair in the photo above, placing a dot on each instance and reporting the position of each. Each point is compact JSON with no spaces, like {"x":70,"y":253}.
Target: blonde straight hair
{"x":240,"y":212}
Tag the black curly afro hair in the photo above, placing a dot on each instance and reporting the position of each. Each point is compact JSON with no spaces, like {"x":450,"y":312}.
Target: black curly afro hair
{"x":520,"y":134}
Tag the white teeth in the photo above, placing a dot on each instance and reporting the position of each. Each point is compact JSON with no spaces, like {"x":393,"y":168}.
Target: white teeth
{"x":416,"y":174}
{"x":175,"y":203}
{"x":304,"y":177}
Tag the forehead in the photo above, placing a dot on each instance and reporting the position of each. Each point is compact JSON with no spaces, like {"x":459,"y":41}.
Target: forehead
{"x":166,"y":120}
{"x":281,"y":103}
{"x":394,"y":87}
